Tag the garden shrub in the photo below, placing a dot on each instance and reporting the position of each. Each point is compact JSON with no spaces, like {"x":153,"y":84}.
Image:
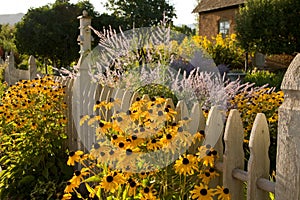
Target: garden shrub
{"x":120,"y":164}
{"x":32,"y":118}
{"x":265,"y":101}
{"x":156,"y":90}
{"x":223,"y":50}
{"x":263,"y":77}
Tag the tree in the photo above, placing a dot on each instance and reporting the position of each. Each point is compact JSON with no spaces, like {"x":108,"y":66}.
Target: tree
{"x":7,"y":39}
{"x":269,"y":26}
{"x":141,"y":13}
{"x":51,"y":31}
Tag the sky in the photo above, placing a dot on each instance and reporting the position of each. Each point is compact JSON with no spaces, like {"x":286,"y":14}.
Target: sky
{"x":183,"y":8}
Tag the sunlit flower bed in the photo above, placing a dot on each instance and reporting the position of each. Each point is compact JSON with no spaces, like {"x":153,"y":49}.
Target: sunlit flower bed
{"x":32,"y":130}
{"x":144,"y":153}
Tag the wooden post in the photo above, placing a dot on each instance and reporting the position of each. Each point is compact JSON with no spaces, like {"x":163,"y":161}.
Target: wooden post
{"x":288,"y":148}
{"x":259,"y":162}
{"x":81,"y":82}
{"x":233,"y":157}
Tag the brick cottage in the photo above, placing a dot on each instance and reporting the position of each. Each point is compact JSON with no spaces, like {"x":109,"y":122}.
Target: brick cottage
{"x":217,"y":16}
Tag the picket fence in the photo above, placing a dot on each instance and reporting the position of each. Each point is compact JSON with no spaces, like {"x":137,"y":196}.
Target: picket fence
{"x":229,"y":145}
{"x":232,"y":159}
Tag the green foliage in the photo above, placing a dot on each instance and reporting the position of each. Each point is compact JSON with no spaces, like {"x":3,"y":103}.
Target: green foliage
{"x":32,"y":132}
{"x":269,"y":26}
{"x":51,"y":32}
{"x":7,"y":39}
{"x":263,"y":77}
{"x":156,"y":90}
{"x":141,"y":13}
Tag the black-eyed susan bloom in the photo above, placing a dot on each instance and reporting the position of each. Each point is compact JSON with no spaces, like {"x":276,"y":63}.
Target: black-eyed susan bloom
{"x":79,"y":176}
{"x":187,"y":164}
{"x":202,"y":192}
{"x":207,"y":175}
{"x":207,"y":155}
{"x":112,"y":181}
{"x":74,"y":157}
{"x":222,"y":193}
{"x":70,"y":186}
{"x":148,"y":193}
{"x":132,"y":187}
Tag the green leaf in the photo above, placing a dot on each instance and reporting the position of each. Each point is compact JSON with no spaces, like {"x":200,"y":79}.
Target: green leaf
{"x":26,"y":180}
{"x":98,"y":194}
{"x":89,"y":188}
{"x":45,"y":173}
{"x":93,"y":179}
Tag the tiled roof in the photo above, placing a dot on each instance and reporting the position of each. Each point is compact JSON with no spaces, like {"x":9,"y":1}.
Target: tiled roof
{"x":207,"y":5}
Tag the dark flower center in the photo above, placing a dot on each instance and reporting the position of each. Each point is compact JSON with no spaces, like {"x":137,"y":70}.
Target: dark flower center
{"x":72,"y":153}
{"x":119,"y":119}
{"x":160,"y":113}
{"x":207,"y":174}
{"x":77,"y":173}
{"x":169,"y":136}
{"x":115,"y":137}
{"x":96,"y":146}
{"x":101,"y":124}
{"x":68,"y":183}
{"x":185,"y":161}
{"x":132,"y":184}
{"x":203,"y":192}
{"x":214,"y":152}
{"x":111,"y":152}
{"x":226,"y":191}
{"x":153,"y":141}
{"x":146,"y":190}
{"x":134,"y":137}
{"x":211,"y":170}
{"x":128,"y":152}
{"x":121,"y":145}
{"x":109,"y":179}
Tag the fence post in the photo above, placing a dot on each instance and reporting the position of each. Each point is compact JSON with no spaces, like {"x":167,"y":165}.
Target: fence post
{"x":288,"y":148}
{"x":259,"y":162}
{"x":233,"y":157}
{"x":82,"y":82}
{"x":32,"y":67}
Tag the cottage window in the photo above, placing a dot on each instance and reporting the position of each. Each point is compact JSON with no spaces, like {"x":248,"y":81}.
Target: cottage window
{"x":224,"y":26}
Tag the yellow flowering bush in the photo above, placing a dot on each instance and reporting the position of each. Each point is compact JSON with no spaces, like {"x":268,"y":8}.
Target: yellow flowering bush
{"x":265,"y":101}
{"x":142,"y":153}
{"x":223,"y":50}
{"x":31,"y":134}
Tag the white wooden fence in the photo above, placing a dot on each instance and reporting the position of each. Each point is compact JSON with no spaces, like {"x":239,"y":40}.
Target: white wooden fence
{"x":232,"y":158}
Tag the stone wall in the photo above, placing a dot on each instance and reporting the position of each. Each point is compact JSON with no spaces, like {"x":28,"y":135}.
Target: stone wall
{"x":13,"y":75}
